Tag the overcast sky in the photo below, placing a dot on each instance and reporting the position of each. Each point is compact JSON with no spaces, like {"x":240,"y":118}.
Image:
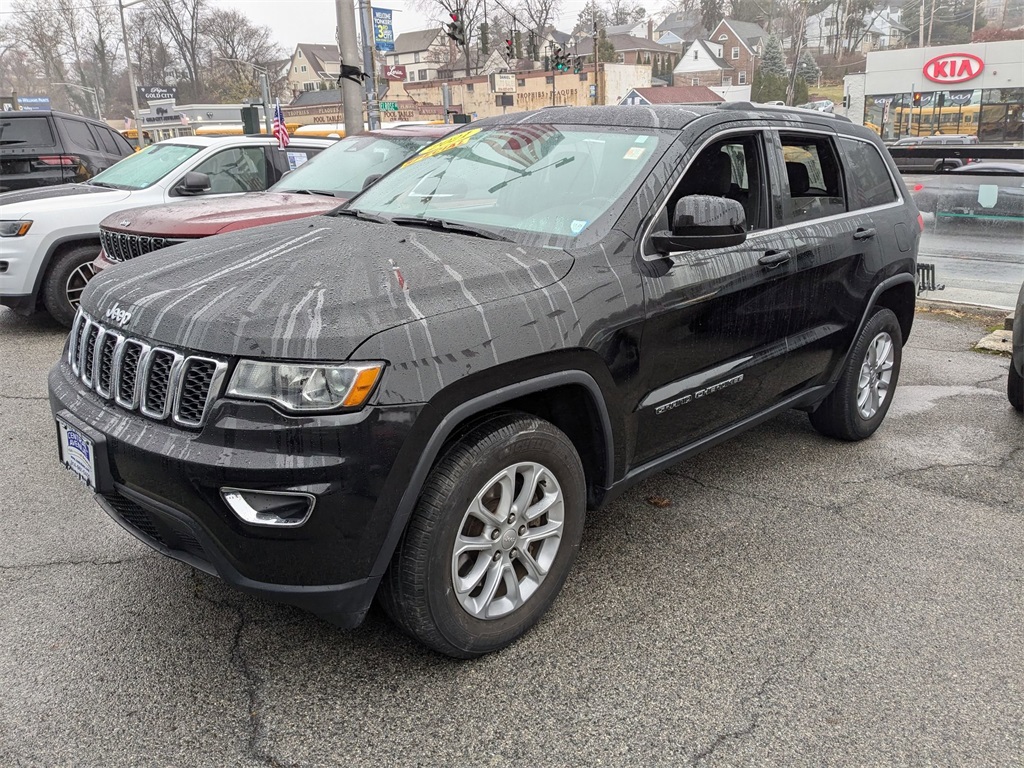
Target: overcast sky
{"x":313,"y":21}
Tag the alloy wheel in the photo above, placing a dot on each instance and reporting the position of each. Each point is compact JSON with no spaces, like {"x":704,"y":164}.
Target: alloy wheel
{"x":875,"y":375}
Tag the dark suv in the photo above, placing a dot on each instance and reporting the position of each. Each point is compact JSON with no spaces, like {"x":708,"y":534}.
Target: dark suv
{"x":38,"y":149}
{"x":908,"y":162}
{"x":420,"y":395}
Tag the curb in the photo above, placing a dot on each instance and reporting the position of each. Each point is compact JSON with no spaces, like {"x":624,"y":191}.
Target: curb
{"x":988,"y":314}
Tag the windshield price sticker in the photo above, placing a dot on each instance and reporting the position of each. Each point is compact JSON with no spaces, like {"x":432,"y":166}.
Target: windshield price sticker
{"x":452,"y":142}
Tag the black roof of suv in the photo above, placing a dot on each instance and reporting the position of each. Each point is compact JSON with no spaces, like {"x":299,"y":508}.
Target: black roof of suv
{"x":421,"y":394}
{"x":40,"y":148}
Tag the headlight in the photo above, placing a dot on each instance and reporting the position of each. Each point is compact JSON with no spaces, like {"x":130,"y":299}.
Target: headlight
{"x":305,"y":388}
{"x":14,"y":228}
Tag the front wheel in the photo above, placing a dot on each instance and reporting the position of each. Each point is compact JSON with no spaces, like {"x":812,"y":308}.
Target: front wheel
{"x":863,"y":394}
{"x":67,"y":277}
{"x":1015,"y":389}
{"x":492,"y":538}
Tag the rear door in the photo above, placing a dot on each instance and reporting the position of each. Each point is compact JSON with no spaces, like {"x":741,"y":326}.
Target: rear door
{"x":30,"y":153}
{"x":836,"y":250}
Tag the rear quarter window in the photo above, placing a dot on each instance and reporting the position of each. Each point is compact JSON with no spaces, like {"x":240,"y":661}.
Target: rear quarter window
{"x":102,"y":136}
{"x":26,"y":132}
{"x":868,"y":179}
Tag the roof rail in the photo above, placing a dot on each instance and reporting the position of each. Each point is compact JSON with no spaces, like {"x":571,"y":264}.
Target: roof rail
{"x":747,"y":106}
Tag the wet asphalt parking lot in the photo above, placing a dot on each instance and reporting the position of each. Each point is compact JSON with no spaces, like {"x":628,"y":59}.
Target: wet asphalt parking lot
{"x":797,"y":602}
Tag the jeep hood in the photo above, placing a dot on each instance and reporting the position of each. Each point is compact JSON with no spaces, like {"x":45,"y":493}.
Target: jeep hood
{"x":312,"y":289}
{"x":61,"y":197}
{"x":208,"y":216}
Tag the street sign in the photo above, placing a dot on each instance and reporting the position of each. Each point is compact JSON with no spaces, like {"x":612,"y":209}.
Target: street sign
{"x":503,"y":82}
{"x":383,"y":31}
{"x":395,"y":72}
{"x":389,"y":106}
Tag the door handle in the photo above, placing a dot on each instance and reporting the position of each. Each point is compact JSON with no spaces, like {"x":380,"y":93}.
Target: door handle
{"x":864,"y":234}
{"x":772,"y":259}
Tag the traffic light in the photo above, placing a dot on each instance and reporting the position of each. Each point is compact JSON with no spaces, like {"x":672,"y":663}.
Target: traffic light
{"x":531,"y":43}
{"x":917,"y":99}
{"x":558,"y":60}
{"x":250,"y":120}
{"x":456,"y":27}
{"x":577,"y":64}
{"x":508,"y":48}
{"x":942,"y":100}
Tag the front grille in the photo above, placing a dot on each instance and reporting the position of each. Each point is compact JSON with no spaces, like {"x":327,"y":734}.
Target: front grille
{"x":134,"y":515}
{"x":160,"y":383}
{"x":120,"y":246}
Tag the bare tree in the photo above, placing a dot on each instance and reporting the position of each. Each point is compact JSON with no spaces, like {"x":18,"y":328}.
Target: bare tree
{"x":471,"y":13}
{"x":233,"y":40}
{"x":182,"y":21}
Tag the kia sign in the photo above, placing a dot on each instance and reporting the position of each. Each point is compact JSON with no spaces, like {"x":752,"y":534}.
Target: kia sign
{"x":953,"y":68}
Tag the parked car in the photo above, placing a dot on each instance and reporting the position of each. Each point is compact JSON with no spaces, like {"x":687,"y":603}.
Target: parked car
{"x":912,"y":163}
{"x":39,"y":149}
{"x":421,"y":394}
{"x":316,"y":187}
{"x":989,"y":191}
{"x":50,"y":236}
{"x":1015,"y":381}
{"x":821,"y":105}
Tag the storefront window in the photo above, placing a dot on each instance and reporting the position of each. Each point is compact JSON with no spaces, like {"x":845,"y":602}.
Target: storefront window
{"x":994,"y":115}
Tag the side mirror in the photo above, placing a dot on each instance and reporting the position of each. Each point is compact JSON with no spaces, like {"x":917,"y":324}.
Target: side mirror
{"x":194,"y":183}
{"x":703,"y":221}
{"x":371,"y":179}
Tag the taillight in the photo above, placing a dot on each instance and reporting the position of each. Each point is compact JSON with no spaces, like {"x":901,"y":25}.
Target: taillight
{"x":917,"y":188}
{"x":920,"y":221}
{"x":59,"y":160}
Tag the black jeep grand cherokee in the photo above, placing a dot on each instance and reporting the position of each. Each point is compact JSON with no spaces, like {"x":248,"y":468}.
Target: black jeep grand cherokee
{"x":420,"y":395}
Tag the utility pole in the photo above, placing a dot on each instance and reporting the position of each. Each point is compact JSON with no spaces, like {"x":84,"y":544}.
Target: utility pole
{"x":265,"y":93}
{"x":348,"y":53}
{"x":121,"y":5}
{"x":372,"y":105}
{"x":920,"y":29}
{"x":597,"y":63}
{"x":931,"y":23}
{"x":974,"y":22}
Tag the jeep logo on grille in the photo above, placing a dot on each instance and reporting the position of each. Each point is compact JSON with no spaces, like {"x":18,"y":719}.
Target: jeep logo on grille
{"x":117,"y":315}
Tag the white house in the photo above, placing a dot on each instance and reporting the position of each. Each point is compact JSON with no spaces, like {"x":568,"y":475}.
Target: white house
{"x":879,"y":28}
{"x":422,"y":53}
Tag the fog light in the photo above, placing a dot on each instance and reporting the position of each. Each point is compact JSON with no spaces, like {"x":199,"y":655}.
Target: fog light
{"x":274,"y":509}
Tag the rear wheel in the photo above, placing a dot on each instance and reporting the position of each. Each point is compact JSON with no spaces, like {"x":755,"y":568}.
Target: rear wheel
{"x":69,"y":273}
{"x":863,"y":394}
{"x":1015,"y":389}
{"x":491,"y":540}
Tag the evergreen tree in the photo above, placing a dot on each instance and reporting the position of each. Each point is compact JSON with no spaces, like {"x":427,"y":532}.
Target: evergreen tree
{"x":807,"y":68}
{"x":774,"y":60}
{"x":711,"y":13}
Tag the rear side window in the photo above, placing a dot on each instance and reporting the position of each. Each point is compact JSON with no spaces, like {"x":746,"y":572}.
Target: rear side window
{"x":26,"y":131}
{"x":102,"y":136}
{"x":814,"y":181}
{"x":79,"y":134}
{"x":124,"y":147}
{"x":868,"y":178}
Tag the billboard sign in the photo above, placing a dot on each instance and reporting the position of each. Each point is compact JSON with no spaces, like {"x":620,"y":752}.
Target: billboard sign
{"x":394,"y":72}
{"x":157,"y":92}
{"x":33,"y":103}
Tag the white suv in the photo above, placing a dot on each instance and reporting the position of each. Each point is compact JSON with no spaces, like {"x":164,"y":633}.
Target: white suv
{"x":49,"y":236}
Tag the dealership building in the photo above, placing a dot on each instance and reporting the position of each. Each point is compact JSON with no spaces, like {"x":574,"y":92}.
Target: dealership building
{"x":975,"y":89}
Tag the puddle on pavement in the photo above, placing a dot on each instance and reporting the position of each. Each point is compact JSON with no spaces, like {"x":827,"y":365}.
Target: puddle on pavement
{"x":913,"y":399}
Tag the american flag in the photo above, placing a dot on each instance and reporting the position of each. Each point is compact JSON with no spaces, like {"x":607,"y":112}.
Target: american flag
{"x":279,"y":128}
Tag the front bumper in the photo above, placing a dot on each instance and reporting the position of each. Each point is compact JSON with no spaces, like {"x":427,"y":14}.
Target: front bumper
{"x":23,"y":257}
{"x":162,"y":484}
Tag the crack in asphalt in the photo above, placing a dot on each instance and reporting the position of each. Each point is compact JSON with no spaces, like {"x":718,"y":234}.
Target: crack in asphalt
{"x":23,"y":397}
{"x":56,"y":563}
{"x":774,"y":672}
{"x":253,"y":681}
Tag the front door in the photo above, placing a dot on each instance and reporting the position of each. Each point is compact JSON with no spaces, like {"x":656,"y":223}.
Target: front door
{"x":716,"y":328}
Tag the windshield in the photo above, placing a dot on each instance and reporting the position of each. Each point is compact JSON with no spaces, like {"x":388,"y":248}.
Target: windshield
{"x":344,"y":168}
{"x":145,"y":168}
{"x":529,"y":178}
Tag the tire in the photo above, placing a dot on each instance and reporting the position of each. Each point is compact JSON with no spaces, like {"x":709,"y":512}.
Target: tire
{"x":857,"y":405}
{"x":1015,"y":389}
{"x":65,"y":280}
{"x":442,"y":598}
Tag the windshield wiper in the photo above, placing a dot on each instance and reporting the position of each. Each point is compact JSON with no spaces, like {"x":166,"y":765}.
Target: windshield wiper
{"x":448,"y":226}
{"x":524,"y":174}
{"x":360,"y":215}
{"x":324,"y":192}
{"x":104,"y":184}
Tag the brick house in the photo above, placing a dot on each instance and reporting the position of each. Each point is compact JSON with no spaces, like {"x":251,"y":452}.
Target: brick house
{"x":727,"y":58}
{"x":631,"y":50}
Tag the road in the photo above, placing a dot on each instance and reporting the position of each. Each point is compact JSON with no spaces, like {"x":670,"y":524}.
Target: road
{"x":978,"y":265}
{"x":798,"y":602}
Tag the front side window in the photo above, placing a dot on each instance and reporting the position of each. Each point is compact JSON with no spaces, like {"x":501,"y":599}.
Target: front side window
{"x":239,"y":169}
{"x":730,"y":168}
{"x":812,"y":172}
{"x":532,"y":178}
{"x":343,"y":169}
{"x":869,"y":180}
{"x":145,"y":168}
